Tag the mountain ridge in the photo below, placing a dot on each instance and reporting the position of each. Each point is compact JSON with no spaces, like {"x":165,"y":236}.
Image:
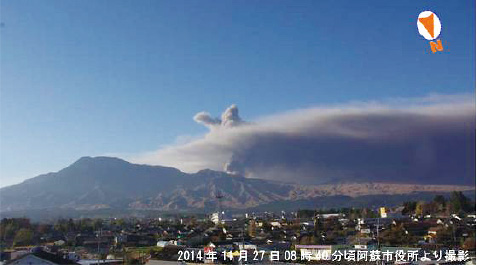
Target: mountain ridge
{"x":112,"y":183}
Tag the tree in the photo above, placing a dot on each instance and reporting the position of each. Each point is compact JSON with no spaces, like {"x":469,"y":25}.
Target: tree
{"x":23,"y":237}
{"x":8,"y":231}
{"x":431,"y":208}
{"x":469,"y":244}
{"x":61,"y":226}
{"x":252,"y":226}
{"x":420,"y":208}
{"x":317,"y":226}
{"x":409,"y":207}
{"x":396,"y":235}
{"x":10,"y":226}
{"x":43,"y":229}
{"x":306,"y":213}
{"x":441,"y":200}
{"x":459,"y":202}
{"x":97,"y":224}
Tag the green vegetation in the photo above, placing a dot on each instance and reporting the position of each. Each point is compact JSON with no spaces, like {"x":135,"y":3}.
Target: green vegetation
{"x":458,"y":203}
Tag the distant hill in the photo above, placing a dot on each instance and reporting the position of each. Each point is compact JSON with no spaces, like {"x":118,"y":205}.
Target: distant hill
{"x":110,"y":183}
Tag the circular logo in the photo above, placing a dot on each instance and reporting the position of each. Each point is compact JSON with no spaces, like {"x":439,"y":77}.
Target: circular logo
{"x":429,"y":25}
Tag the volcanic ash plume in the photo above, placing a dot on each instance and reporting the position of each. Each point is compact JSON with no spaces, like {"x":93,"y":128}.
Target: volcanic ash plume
{"x":427,"y":141}
{"x":230,"y":118}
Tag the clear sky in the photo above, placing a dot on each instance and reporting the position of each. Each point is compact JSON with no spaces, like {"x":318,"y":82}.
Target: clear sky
{"x":83,"y":78}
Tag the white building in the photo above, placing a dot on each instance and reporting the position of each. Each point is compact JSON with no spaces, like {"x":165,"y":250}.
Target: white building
{"x":215,"y":218}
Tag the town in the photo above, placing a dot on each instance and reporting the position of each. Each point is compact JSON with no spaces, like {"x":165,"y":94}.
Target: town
{"x":442,"y":224}
{"x":435,"y":225}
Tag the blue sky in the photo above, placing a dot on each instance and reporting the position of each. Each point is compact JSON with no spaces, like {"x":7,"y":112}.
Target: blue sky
{"x":85,"y":78}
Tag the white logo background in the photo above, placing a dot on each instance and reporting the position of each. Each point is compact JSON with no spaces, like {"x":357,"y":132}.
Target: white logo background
{"x":423,"y":31}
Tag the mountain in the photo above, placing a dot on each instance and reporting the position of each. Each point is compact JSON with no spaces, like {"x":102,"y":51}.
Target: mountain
{"x":112,"y":183}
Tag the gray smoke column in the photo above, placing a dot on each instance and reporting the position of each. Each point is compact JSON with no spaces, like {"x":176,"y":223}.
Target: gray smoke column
{"x":424,"y":141}
{"x":230,"y":117}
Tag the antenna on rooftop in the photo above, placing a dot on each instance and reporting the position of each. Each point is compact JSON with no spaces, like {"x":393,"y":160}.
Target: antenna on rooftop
{"x":219,"y":196}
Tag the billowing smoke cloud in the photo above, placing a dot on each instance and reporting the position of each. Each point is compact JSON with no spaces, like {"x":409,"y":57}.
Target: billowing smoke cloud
{"x":230,"y":118}
{"x":205,"y":119}
{"x":430,"y":140}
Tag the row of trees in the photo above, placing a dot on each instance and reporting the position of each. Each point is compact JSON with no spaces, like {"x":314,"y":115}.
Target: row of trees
{"x":20,"y":232}
{"x":457,"y":203}
{"x":16,"y":230}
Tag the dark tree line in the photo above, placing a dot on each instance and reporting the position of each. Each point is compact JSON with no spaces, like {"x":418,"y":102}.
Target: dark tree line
{"x":457,"y":203}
